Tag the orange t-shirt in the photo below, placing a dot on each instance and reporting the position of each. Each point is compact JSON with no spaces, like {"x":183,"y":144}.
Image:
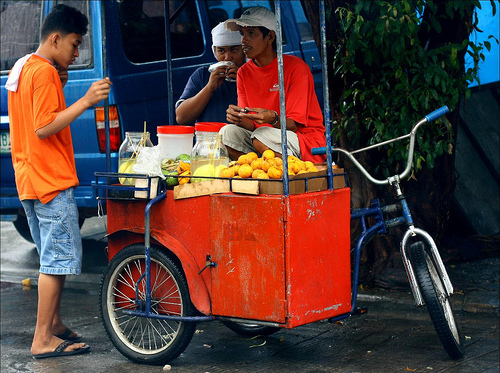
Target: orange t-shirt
{"x":43,"y":168}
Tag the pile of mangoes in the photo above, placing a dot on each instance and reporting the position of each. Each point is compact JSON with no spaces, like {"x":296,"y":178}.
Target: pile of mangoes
{"x":266,"y":167}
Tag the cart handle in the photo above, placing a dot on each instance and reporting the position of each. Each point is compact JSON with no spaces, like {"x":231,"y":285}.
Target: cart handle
{"x":428,"y":118}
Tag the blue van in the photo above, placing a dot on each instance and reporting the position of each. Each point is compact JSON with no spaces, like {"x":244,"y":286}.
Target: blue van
{"x":126,"y":41}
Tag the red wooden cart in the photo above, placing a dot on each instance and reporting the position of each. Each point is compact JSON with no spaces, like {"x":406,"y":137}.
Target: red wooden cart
{"x":259,"y":263}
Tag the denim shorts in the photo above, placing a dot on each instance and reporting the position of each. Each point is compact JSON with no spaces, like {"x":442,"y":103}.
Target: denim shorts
{"x":240,"y":139}
{"x":56,"y":232}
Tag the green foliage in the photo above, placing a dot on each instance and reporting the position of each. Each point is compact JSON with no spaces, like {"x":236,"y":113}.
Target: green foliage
{"x":392,"y":80}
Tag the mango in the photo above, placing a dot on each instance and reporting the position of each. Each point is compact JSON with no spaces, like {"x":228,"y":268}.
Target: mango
{"x":171,"y":181}
{"x":207,"y":170}
{"x":183,"y":157}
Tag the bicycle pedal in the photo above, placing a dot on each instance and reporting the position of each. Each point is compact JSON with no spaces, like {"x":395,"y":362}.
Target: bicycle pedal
{"x":358,"y":311}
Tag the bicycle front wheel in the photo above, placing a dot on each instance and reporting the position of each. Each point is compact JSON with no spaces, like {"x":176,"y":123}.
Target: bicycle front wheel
{"x":143,"y":339}
{"x":436,"y":300}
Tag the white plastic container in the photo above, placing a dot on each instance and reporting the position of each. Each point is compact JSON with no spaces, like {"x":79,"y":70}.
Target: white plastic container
{"x":175,"y":140}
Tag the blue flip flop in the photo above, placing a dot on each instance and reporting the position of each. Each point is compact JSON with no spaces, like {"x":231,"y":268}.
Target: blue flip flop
{"x":66,"y":336}
{"x":59,"y":351}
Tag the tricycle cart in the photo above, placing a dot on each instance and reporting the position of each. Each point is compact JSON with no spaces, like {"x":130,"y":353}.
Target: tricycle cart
{"x":258,"y":262}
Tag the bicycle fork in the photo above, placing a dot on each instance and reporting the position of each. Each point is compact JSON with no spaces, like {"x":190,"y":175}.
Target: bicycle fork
{"x":412,"y":232}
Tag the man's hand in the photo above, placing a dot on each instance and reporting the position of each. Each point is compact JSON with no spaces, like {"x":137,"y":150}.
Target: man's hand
{"x":231,"y":72}
{"x":219,"y":74}
{"x":217,"y":78}
{"x":259,"y":115}
{"x":234,"y":115}
{"x":247,"y":117}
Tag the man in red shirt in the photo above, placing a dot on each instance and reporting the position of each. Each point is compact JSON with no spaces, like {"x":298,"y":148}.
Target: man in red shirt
{"x":256,"y":118}
{"x":44,"y":165}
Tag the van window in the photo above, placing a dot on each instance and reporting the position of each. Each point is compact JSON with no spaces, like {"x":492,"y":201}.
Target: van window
{"x":142,"y":26}
{"x":22,"y":36}
{"x":302,"y":23}
{"x":85,"y":58}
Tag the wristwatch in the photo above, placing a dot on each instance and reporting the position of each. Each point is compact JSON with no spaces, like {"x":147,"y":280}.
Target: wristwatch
{"x":276,"y":119}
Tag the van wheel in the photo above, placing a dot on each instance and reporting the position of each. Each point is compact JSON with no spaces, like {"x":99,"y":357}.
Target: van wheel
{"x":23,"y":228}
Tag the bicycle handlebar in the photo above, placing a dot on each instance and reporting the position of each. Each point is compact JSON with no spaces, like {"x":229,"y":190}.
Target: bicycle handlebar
{"x":437,"y":113}
{"x":428,"y":118}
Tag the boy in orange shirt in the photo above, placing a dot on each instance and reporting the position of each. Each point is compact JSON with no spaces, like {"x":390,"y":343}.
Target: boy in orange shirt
{"x":44,"y":165}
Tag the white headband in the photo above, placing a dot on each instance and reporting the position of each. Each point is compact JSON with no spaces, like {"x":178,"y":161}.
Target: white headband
{"x":222,"y":37}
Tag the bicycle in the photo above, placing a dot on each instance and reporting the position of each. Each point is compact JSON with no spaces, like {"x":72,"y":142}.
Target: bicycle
{"x":429,"y":281}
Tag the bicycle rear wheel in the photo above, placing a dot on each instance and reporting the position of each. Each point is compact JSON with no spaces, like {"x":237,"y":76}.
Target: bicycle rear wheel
{"x":436,"y":300}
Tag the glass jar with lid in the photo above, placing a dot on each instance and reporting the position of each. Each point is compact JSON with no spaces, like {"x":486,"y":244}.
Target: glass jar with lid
{"x":129,"y":150}
{"x":209,"y":154}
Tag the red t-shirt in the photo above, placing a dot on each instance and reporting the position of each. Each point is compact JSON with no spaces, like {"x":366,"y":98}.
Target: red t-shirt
{"x":43,"y":168}
{"x":258,"y":87}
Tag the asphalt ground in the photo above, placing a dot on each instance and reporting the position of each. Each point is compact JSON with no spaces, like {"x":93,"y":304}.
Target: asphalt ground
{"x":394,"y":336}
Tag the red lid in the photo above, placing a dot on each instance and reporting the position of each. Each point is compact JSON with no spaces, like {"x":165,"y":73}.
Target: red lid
{"x":175,"y":130}
{"x":209,"y":126}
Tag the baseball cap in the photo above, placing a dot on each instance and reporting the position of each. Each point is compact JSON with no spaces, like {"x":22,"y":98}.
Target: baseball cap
{"x":253,"y":17}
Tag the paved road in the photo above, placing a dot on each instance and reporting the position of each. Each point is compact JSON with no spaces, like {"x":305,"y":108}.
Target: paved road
{"x":393,"y":337}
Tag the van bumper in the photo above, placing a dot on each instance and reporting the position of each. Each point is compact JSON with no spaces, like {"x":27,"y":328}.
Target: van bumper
{"x":10,"y":203}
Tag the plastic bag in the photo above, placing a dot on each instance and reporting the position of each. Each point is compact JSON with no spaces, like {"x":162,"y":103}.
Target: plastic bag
{"x":149,"y":162}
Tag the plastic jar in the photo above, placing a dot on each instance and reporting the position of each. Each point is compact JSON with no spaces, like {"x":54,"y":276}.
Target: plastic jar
{"x":129,"y":150}
{"x":175,"y":140}
{"x":208,"y":154}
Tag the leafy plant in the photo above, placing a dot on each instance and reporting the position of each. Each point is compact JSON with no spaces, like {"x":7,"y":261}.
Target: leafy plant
{"x":392,"y":78}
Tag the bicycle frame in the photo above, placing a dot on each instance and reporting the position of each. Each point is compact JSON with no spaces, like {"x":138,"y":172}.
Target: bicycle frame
{"x":376,"y":211}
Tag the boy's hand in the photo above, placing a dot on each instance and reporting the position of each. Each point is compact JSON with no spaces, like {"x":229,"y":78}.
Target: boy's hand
{"x":98,"y":91}
{"x":63,"y":75}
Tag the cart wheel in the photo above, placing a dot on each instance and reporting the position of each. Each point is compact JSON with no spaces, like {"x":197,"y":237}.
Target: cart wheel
{"x":436,"y":300}
{"x":249,"y":329}
{"x":141,"y":339}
